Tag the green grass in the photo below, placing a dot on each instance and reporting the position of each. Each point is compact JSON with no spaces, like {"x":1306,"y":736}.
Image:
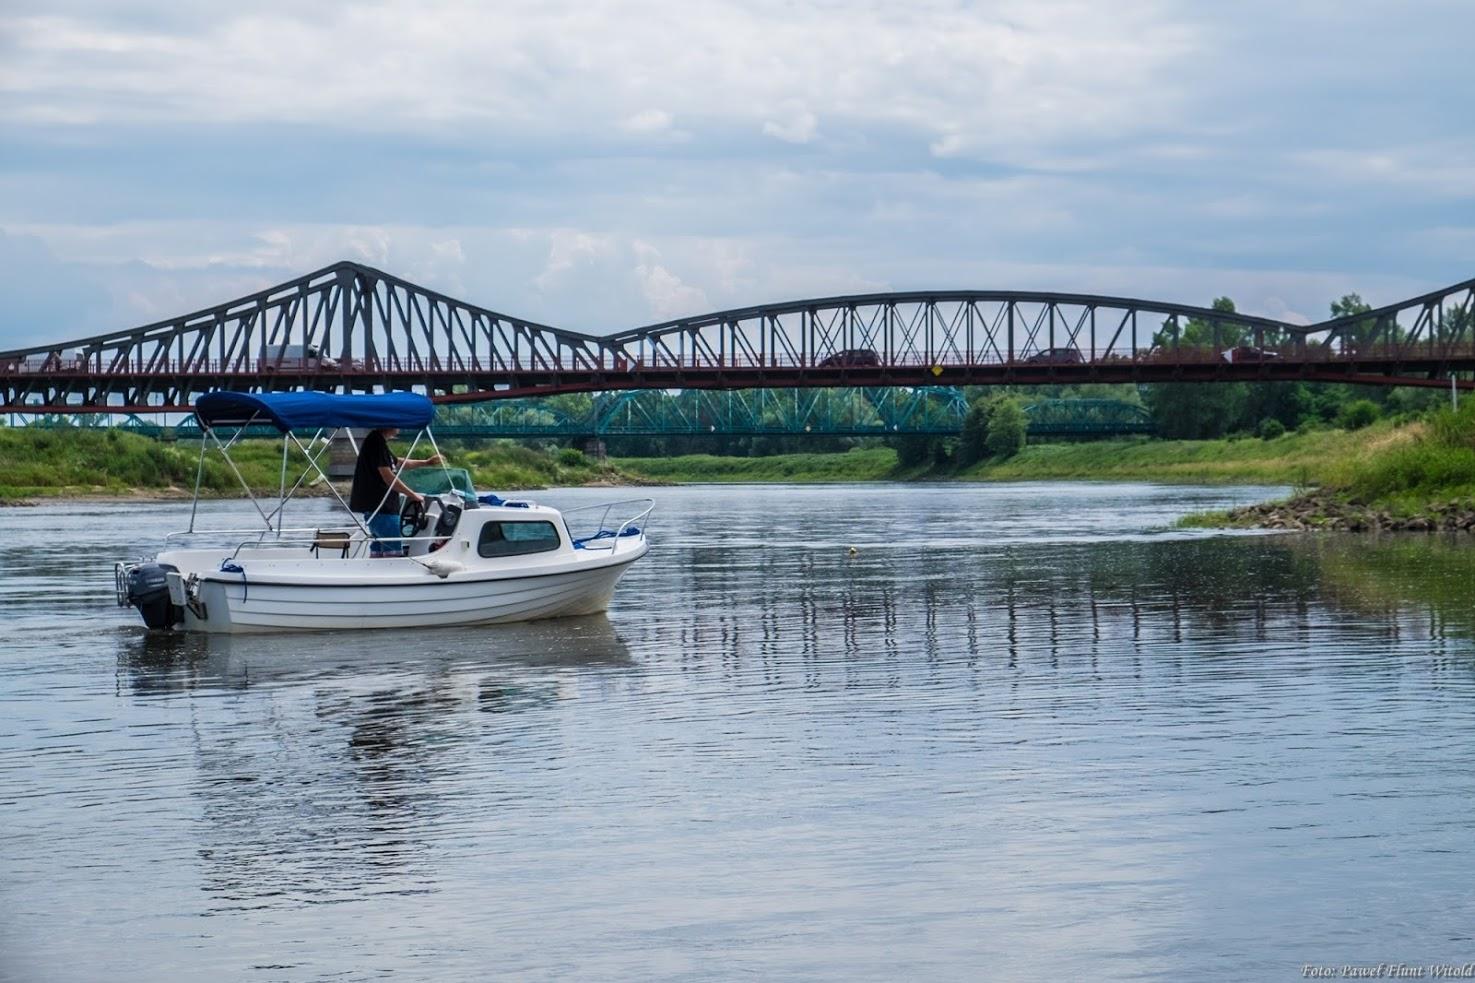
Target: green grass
{"x":1432,"y":463}
{"x":37,"y":462}
{"x":1416,"y":470}
{"x":511,"y":466}
{"x":1294,"y":459}
{"x":860,"y":464}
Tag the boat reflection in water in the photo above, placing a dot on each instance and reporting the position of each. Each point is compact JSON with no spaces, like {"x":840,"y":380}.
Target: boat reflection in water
{"x":345,"y":764}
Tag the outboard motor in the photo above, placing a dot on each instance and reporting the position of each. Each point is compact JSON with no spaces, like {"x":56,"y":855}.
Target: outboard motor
{"x":146,"y":587}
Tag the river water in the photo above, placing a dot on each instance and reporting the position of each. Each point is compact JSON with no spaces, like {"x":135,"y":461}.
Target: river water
{"x":1025,"y":731}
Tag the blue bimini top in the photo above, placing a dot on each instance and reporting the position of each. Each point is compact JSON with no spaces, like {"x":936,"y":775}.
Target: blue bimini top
{"x":314,"y":410}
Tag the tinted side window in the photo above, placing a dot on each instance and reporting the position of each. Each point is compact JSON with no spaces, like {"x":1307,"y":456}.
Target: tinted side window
{"x":516,"y":538}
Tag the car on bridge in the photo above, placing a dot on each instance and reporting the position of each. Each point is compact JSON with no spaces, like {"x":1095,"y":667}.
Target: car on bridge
{"x":47,"y":362}
{"x":1248,"y":353}
{"x":295,"y":358}
{"x":1056,"y":356}
{"x":851,"y":358}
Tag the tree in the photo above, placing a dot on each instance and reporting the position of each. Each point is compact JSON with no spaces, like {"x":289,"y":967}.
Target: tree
{"x":1196,"y":411}
{"x":973,"y":440}
{"x":1200,"y":333}
{"x":913,"y":450}
{"x":1191,"y":410}
{"x":1359,"y":334}
{"x":1357,"y":414}
{"x":1008,"y":428}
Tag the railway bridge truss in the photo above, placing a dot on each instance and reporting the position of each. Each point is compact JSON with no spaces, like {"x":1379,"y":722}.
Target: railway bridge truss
{"x":923,"y":411}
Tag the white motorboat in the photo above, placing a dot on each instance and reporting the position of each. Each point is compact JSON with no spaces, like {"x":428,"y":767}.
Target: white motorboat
{"x":470,"y":559}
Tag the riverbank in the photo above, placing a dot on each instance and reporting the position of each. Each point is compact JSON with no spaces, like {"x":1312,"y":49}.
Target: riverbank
{"x":1412,"y":476}
{"x":83,"y":463}
{"x":1419,"y":477}
{"x":1299,"y":459}
{"x":1327,"y":510}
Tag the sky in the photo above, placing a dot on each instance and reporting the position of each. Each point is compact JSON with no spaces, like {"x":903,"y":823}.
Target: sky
{"x":599,"y":166}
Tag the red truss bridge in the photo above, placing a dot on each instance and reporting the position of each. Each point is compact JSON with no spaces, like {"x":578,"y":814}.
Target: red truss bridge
{"x":351,"y":328}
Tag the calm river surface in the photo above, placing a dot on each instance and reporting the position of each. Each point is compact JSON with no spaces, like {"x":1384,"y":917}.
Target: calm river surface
{"x":1027,"y":732}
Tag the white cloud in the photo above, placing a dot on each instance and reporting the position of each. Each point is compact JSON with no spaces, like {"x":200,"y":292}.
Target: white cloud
{"x":448,"y":252}
{"x":996,"y":76}
{"x":664,"y":291}
{"x":567,"y":250}
{"x":601,"y":164}
{"x":647,"y":121}
{"x":795,"y":124}
{"x":369,"y":244}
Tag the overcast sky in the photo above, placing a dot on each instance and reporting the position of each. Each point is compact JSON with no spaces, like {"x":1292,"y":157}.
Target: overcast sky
{"x":603,"y":165}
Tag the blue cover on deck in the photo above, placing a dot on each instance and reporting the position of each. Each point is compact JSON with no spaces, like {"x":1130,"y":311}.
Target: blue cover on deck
{"x":313,"y":410}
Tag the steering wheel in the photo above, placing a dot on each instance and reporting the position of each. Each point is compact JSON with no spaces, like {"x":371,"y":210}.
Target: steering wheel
{"x":412,"y":518}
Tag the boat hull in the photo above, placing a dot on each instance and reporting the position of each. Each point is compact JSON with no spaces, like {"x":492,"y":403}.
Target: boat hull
{"x":227,"y":604}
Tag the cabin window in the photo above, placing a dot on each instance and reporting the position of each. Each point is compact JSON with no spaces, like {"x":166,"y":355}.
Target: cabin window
{"x":517,"y":538}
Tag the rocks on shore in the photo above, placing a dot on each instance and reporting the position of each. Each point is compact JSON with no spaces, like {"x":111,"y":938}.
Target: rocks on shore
{"x":1321,"y":510}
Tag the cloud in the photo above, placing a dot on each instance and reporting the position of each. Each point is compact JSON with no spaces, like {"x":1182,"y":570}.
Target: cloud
{"x":400,"y":66}
{"x":667,"y":295}
{"x":568,"y":249}
{"x":795,"y":125}
{"x":617,"y":163}
{"x":647,"y":121}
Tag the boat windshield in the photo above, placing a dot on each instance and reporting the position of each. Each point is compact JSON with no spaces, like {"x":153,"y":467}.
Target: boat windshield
{"x":440,"y":481}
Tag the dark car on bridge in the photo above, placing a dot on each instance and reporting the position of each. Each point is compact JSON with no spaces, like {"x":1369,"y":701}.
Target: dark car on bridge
{"x":851,"y":358}
{"x":1056,"y":356}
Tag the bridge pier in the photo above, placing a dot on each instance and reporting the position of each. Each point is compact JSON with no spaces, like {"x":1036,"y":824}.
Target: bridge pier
{"x":595,"y":450}
{"x":343,"y":453}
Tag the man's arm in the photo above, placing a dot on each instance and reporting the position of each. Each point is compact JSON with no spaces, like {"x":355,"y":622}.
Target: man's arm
{"x":395,"y":484}
{"x":423,"y":462}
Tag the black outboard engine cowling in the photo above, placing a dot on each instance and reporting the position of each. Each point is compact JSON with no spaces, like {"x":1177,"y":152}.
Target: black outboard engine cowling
{"x":148,"y":590}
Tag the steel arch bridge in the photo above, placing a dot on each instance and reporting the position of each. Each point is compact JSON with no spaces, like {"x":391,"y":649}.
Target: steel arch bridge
{"x":376,"y":332}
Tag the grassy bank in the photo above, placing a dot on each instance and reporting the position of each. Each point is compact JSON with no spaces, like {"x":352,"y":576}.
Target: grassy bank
{"x":1293,"y":459}
{"x":43,"y":463}
{"x":860,"y":464}
{"x":1420,"y":476}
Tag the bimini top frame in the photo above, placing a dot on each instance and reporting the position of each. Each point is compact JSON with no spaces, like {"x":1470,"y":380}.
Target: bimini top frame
{"x":289,"y":411}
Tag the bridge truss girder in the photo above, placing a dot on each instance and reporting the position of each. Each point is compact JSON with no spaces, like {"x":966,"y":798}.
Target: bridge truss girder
{"x":933,"y":411}
{"x":753,"y":412}
{"x":378,"y":332}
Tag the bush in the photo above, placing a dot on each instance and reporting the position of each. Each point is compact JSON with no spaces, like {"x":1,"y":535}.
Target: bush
{"x":1270,"y":428}
{"x":1358,"y":414}
{"x":572,"y":457}
{"x":1453,"y":428}
{"x":913,"y":450}
{"x":973,"y":441}
{"x":1008,"y":427}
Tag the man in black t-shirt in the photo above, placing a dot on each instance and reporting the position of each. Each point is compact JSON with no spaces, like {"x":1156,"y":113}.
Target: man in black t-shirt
{"x":376,"y":487}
